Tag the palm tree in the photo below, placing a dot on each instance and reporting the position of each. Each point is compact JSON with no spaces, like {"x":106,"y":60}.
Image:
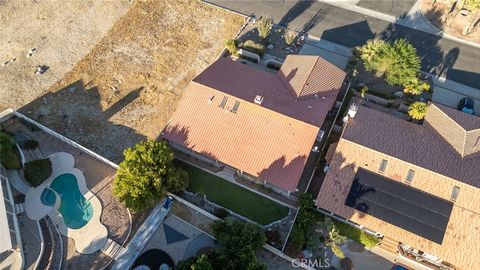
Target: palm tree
{"x":397,"y":61}
{"x":289,"y":36}
{"x":264,"y":26}
{"x":334,"y":240}
{"x":415,"y":86}
{"x":418,"y":110}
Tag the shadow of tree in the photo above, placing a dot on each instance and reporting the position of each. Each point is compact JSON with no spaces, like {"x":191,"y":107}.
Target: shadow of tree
{"x":295,"y":11}
{"x":76,"y":112}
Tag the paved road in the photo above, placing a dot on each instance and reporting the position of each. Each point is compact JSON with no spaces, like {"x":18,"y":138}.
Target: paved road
{"x":441,"y":56}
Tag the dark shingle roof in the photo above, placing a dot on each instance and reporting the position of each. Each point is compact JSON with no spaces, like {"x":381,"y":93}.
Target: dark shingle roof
{"x":466,"y":121}
{"x":401,"y":205}
{"x":413,"y":143}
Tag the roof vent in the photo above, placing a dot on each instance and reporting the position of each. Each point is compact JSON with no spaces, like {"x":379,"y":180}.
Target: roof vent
{"x":352,"y":110}
{"x":258,"y":99}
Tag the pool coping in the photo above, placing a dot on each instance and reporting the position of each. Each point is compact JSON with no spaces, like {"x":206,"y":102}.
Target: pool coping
{"x":93,"y":235}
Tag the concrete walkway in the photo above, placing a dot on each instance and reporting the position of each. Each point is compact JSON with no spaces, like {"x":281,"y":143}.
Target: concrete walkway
{"x":17,"y":182}
{"x":414,"y":19}
{"x":126,"y":258}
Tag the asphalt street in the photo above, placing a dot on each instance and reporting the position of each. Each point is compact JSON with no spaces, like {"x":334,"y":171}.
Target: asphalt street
{"x":440,"y":56}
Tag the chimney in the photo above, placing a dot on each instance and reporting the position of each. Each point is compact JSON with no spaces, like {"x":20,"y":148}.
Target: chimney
{"x":258,"y":99}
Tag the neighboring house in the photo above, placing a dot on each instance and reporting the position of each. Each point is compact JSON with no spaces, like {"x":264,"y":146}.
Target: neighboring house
{"x":263,"y":124}
{"x":11,"y":251}
{"x":418,"y":185}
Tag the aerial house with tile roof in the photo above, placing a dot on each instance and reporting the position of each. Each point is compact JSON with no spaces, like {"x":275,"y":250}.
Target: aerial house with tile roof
{"x":418,"y":185}
{"x":260,"y":123}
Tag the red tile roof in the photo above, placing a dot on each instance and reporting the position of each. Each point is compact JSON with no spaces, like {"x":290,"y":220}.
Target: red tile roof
{"x":306,"y":76}
{"x":271,"y":141}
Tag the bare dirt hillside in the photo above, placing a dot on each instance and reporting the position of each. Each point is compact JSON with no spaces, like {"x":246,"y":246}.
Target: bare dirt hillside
{"x":60,"y":31}
{"x":128,"y":86}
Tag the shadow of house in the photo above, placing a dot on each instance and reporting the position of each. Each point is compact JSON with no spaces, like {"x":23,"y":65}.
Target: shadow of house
{"x":177,"y":137}
{"x":280,"y":168}
{"x":76,"y":112}
{"x":358,"y":34}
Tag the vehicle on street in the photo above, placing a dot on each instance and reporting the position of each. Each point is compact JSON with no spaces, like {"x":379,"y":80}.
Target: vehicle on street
{"x":466,"y":105}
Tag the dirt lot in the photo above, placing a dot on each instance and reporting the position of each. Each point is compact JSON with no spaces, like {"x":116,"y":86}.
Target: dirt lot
{"x":62,"y":32}
{"x":127,"y":87}
{"x":436,"y":11}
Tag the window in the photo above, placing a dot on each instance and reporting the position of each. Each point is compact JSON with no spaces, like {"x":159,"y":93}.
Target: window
{"x":455,"y":192}
{"x":410,"y":175}
{"x":383,"y":166}
{"x":235,"y":106}
{"x":224,"y":101}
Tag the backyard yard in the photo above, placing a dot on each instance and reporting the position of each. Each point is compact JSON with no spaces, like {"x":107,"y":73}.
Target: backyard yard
{"x":233,"y":197}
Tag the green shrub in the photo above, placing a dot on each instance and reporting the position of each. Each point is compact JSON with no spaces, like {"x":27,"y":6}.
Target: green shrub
{"x":37,"y":171}
{"x":31,"y":144}
{"x":251,"y":46}
{"x":264,"y":27}
{"x":221,"y":213}
{"x":231,"y":45}
{"x":357,"y":235}
{"x":10,"y":160}
{"x":8,"y":152}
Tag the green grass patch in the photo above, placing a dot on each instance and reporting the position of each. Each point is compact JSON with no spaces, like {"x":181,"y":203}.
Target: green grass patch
{"x":233,"y":197}
{"x":37,"y":171}
{"x":355,"y":234}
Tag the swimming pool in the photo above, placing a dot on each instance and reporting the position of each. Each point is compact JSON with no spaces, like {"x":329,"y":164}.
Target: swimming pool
{"x":75,"y":209}
{"x":48,"y":197}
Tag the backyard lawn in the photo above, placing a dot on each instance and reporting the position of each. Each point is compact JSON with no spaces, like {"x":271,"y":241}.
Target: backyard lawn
{"x":233,"y":197}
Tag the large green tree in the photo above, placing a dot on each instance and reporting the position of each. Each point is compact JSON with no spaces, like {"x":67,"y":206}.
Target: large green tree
{"x":398,"y":62}
{"x":146,"y":174}
{"x":239,"y":242}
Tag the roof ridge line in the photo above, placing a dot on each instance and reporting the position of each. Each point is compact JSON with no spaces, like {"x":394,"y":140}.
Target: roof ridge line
{"x":310,"y":74}
{"x":254,"y":104}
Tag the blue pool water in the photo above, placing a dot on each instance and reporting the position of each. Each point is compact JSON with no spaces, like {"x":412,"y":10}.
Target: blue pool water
{"x":48,"y":197}
{"x":75,"y":209}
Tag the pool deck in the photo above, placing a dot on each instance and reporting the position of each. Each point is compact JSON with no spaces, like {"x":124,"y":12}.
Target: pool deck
{"x":93,"y":235}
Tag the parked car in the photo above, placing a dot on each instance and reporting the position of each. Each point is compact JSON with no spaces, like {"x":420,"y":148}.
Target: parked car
{"x":168,"y":203}
{"x":466,"y":105}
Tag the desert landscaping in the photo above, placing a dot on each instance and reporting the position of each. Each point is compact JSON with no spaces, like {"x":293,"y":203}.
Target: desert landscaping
{"x":125,"y":88}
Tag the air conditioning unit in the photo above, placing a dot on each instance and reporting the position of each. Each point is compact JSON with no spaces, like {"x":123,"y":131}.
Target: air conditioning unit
{"x":258,"y":99}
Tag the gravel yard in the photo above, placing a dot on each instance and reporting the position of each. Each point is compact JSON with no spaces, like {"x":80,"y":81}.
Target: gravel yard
{"x":127,"y":87}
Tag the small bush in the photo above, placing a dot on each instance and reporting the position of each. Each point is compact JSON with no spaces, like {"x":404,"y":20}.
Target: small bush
{"x":10,"y":160}
{"x":273,"y":237}
{"x":231,"y":45}
{"x":257,"y":48}
{"x":8,"y":152}
{"x":221,"y":213}
{"x":37,"y":171}
{"x":31,"y":144}
{"x":289,"y":36}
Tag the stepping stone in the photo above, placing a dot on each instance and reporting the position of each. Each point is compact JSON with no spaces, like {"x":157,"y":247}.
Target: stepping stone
{"x":173,"y":235}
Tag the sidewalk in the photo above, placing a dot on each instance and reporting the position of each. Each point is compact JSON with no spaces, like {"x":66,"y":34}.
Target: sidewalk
{"x":414,"y":19}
